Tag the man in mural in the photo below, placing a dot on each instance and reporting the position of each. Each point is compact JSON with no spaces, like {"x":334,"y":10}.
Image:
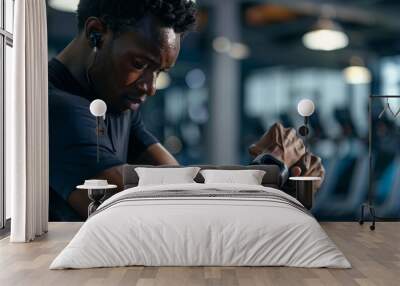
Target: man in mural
{"x":117,"y":55}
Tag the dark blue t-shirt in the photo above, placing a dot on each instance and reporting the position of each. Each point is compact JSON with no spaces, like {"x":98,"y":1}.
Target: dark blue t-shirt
{"x":73,"y":140}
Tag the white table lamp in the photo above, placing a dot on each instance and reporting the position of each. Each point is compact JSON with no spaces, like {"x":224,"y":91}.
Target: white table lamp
{"x":98,"y":108}
{"x":305,"y":108}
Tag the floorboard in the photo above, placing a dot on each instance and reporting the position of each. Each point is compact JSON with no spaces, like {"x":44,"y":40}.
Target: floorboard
{"x":375,"y":257}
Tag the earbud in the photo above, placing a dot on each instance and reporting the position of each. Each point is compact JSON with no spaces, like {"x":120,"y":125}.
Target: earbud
{"x":95,"y":38}
{"x":94,"y":41}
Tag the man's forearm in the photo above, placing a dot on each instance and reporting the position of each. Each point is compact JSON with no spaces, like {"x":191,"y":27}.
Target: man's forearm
{"x":79,"y":199}
{"x":156,"y":154}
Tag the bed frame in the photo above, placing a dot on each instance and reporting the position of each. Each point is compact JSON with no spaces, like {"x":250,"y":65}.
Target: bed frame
{"x":272,"y":178}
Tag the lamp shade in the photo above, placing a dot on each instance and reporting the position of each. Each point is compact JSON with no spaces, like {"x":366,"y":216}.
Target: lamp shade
{"x":98,"y":108}
{"x":163,"y":81}
{"x":305,"y":107}
{"x":357,"y":75}
{"x":64,"y":5}
{"x":326,"y":36}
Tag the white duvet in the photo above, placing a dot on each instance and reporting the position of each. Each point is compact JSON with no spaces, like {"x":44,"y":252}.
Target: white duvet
{"x":202,"y":231}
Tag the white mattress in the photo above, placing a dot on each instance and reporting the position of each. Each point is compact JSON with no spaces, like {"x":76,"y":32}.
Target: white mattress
{"x":202,"y":231}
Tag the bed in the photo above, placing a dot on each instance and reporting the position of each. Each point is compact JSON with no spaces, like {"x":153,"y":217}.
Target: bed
{"x":201,"y":224}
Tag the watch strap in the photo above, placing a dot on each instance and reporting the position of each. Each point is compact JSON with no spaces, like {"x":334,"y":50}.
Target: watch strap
{"x":268,"y":159}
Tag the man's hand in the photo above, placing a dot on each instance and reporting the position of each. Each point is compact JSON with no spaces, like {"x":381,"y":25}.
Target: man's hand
{"x":284,"y":144}
{"x":310,"y":166}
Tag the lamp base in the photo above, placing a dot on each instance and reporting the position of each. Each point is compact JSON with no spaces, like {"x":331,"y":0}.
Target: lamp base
{"x":372,"y":213}
{"x":374,"y":217}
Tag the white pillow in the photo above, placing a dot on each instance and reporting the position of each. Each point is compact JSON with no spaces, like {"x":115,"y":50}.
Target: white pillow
{"x":248,"y":177}
{"x":166,"y":176}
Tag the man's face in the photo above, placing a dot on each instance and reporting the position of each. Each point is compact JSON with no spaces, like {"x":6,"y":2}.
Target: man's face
{"x":127,"y":64}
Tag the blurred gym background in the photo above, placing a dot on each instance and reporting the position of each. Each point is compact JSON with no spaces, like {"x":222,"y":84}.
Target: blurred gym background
{"x":247,"y":66}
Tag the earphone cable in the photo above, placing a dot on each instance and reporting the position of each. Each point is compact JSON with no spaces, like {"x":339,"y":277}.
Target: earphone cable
{"x":89,"y":68}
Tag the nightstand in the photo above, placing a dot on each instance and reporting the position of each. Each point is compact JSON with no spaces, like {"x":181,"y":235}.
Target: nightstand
{"x":305,"y":190}
{"x":96,"y":195}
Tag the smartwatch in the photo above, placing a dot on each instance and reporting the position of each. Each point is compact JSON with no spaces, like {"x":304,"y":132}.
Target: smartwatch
{"x":268,"y":159}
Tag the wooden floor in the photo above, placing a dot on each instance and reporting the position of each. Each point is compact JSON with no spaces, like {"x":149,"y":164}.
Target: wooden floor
{"x":375,"y":257}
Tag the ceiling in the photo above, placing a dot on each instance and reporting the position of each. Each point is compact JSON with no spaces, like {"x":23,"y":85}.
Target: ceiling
{"x":273,"y":30}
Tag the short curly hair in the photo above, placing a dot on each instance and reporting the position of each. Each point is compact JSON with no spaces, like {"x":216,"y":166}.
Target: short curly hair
{"x":177,"y":14}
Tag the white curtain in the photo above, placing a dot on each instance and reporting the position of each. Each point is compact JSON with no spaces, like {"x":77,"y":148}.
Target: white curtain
{"x":27,"y":124}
